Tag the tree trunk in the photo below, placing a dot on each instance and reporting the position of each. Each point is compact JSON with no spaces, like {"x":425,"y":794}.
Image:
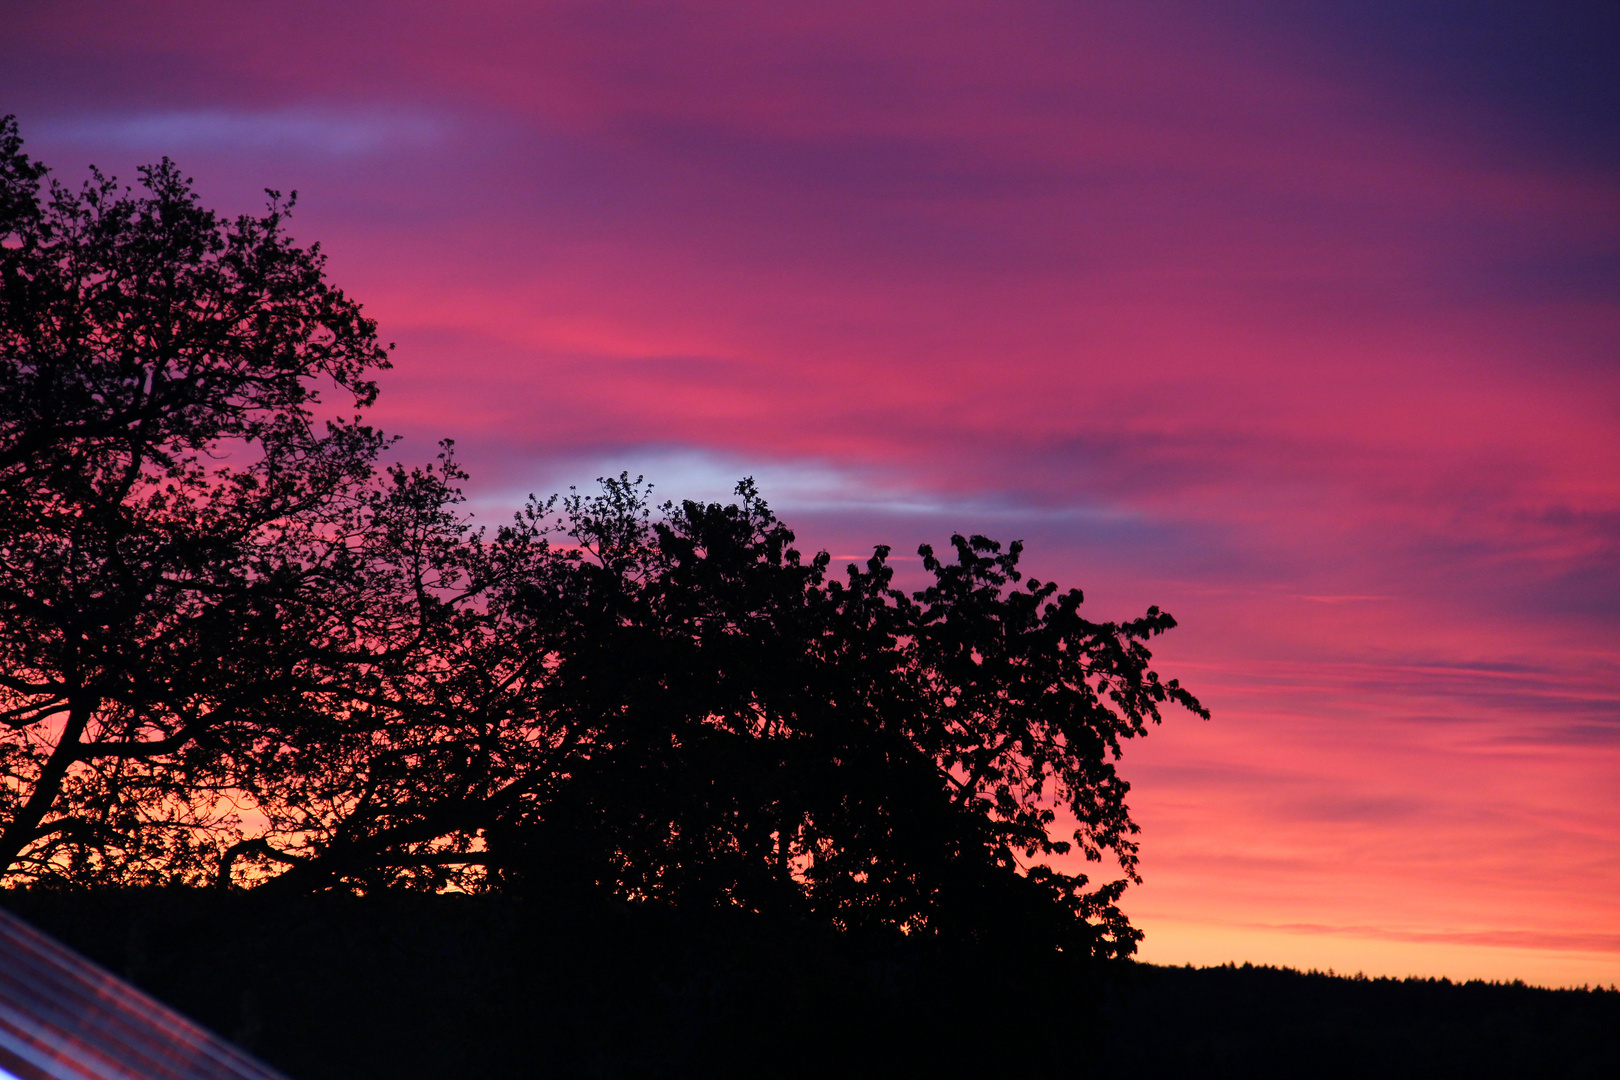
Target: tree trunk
{"x":24,"y":827}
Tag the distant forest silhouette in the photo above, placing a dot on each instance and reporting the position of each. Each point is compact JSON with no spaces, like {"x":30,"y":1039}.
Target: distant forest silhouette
{"x":442,"y":987}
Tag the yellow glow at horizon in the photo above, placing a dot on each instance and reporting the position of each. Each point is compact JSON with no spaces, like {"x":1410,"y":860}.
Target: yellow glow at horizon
{"x":1173,"y":942}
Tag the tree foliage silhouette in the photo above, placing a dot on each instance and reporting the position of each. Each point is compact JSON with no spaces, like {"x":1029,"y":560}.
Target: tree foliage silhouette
{"x":234,"y":650}
{"x":749,"y":729}
{"x":172,"y":515}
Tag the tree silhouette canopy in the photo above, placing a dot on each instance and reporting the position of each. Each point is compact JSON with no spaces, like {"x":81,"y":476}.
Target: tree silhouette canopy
{"x":234,"y":650}
{"x":171,"y":514}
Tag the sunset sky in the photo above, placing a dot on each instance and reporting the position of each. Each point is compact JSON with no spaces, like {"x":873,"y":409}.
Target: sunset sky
{"x":1298,"y":319}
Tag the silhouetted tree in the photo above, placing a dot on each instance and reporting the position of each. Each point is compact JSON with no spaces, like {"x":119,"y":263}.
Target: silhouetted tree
{"x":744,"y":729}
{"x":439,"y":726}
{"x":175,"y":520}
{"x":233,"y":649}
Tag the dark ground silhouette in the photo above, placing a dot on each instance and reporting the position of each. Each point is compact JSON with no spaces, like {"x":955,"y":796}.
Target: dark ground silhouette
{"x":1264,"y":1021}
{"x":410,"y":985}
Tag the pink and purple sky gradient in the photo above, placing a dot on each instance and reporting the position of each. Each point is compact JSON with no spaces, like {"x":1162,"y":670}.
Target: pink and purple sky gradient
{"x":1297,"y":319}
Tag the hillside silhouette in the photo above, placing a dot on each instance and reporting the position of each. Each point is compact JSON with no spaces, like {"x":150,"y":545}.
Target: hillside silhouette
{"x":445,"y":986}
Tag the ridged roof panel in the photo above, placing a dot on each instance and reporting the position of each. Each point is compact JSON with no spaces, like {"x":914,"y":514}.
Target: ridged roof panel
{"x":64,"y":1018}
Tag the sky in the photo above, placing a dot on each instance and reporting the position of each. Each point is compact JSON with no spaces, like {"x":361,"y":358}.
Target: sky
{"x":1299,"y":320}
